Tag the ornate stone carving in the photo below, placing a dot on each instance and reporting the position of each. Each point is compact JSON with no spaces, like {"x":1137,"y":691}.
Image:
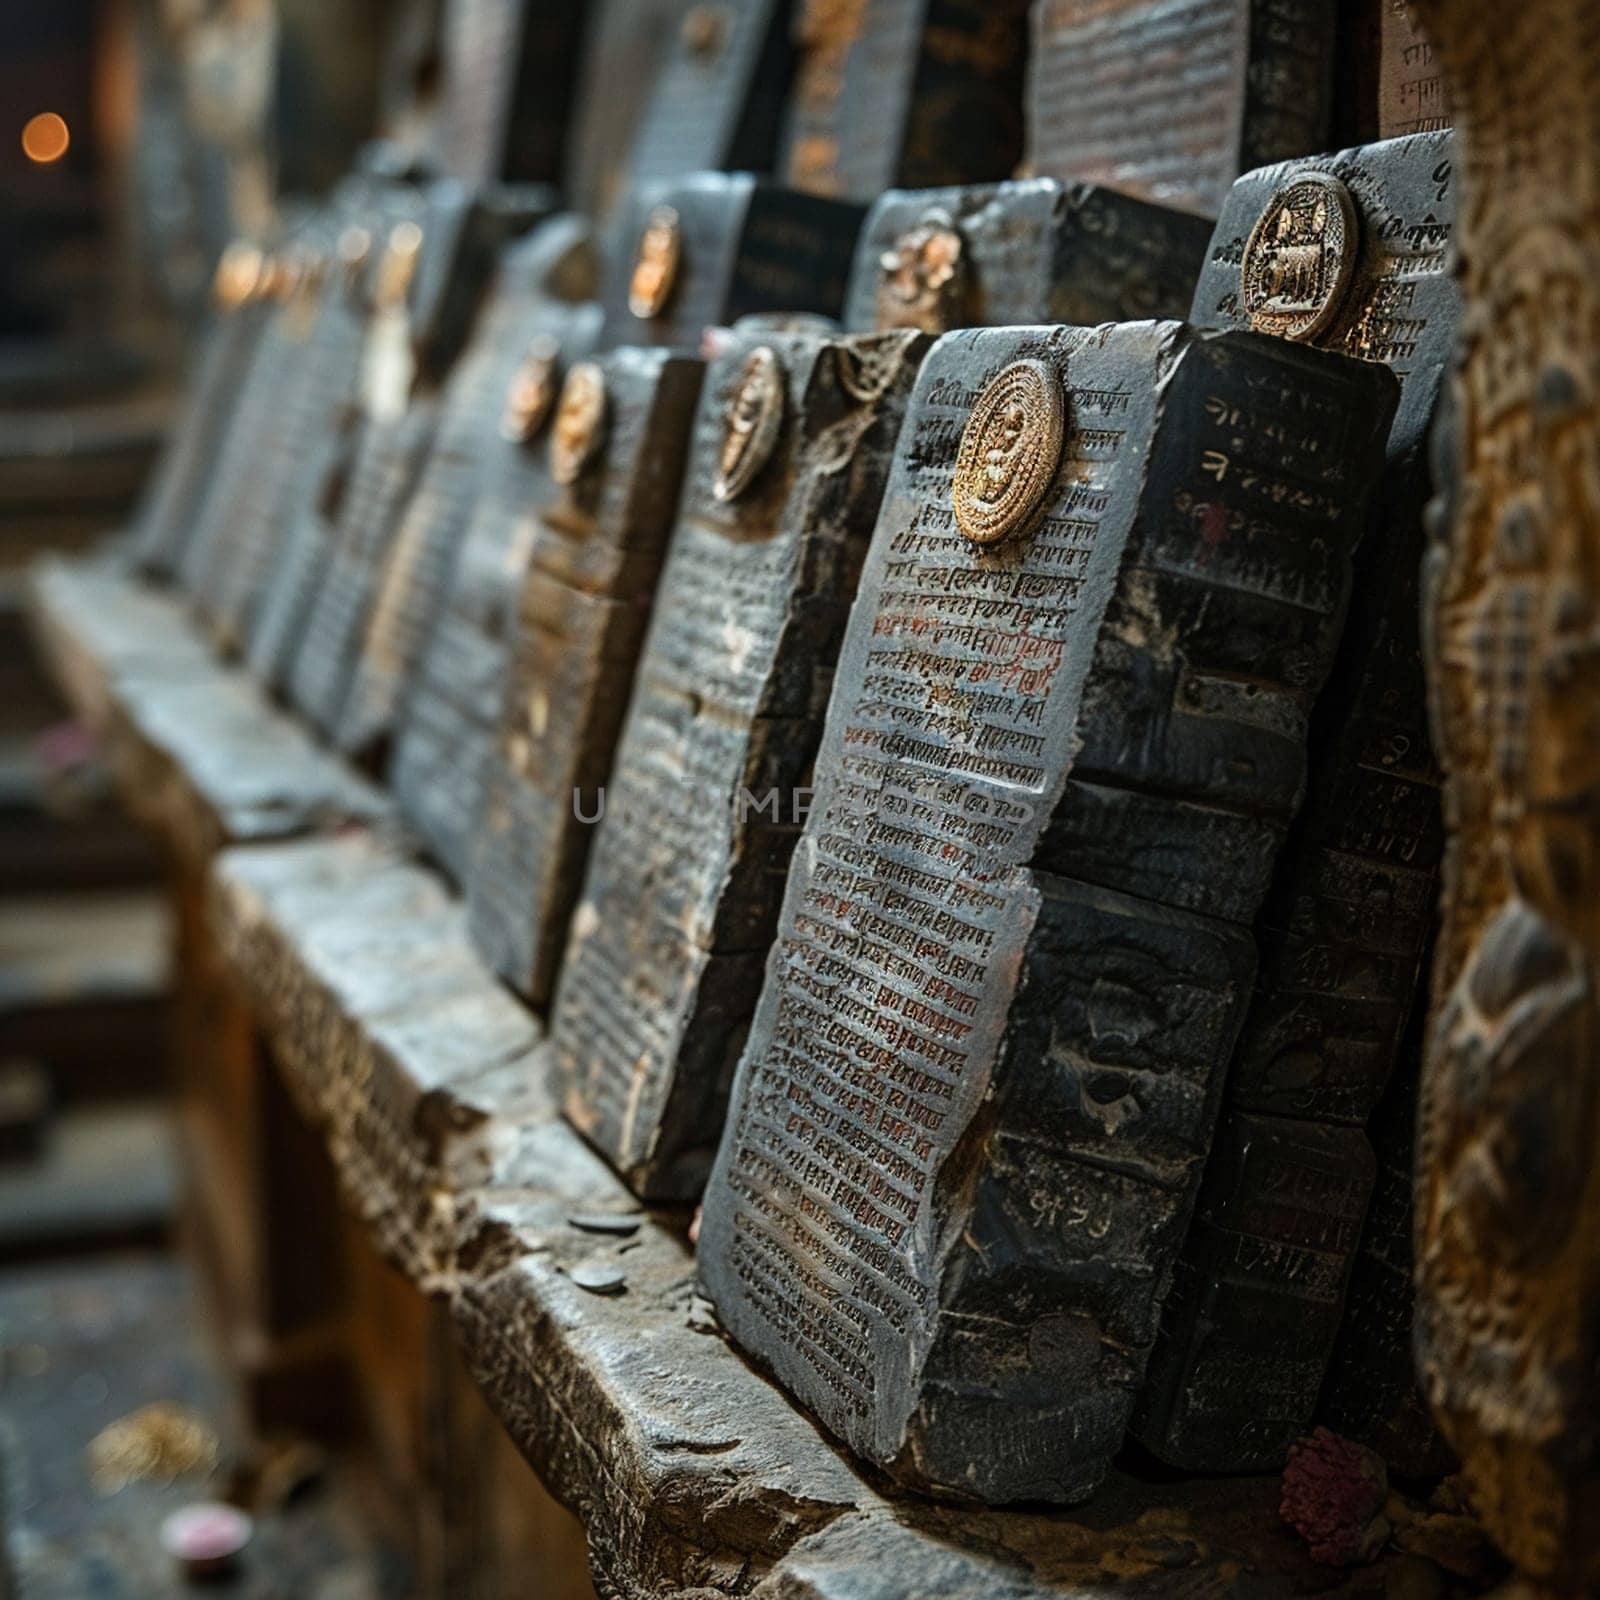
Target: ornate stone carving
{"x":1508,"y":1202}
{"x":923,"y":280}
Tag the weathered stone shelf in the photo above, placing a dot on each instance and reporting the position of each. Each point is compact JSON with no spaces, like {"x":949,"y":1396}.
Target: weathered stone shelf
{"x":576,"y":1307}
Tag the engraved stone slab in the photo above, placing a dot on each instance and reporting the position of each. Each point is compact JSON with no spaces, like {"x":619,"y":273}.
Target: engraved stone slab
{"x":1003,"y":254}
{"x":905,"y":94}
{"x":711,"y":777}
{"x":453,"y":703}
{"x":719,"y":96}
{"x":508,"y":71}
{"x":387,"y":464}
{"x":417,"y":570}
{"x":170,"y":505}
{"x":581,"y":615}
{"x":712,"y":248}
{"x":1173,"y":99}
{"x":1343,"y":932}
{"x":1412,"y":95}
{"x":1013,"y":953}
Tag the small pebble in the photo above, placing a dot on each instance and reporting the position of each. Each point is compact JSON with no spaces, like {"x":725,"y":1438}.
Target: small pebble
{"x":599,"y":1279}
{"x":605,"y":1222}
{"x":206,"y":1538}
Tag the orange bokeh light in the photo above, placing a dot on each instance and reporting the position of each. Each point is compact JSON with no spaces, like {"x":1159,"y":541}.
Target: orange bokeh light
{"x":45,"y":138}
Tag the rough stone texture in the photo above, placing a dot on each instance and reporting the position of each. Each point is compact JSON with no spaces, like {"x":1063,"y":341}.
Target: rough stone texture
{"x":981,"y":1081}
{"x":905,"y":94}
{"x":452,"y":706}
{"x":394,"y":1038}
{"x":1508,"y":1194}
{"x":1258,"y":1300}
{"x":747,"y":247}
{"x":1173,"y":99}
{"x":1040,"y":251}
{"x":591,"y":576}
{"x":708,"y":788}
{"x":718,"y":95}
{"x":416,"y":573}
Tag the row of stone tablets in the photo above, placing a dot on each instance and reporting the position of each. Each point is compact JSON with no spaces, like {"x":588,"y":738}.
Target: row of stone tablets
{"x":651,"y":1097}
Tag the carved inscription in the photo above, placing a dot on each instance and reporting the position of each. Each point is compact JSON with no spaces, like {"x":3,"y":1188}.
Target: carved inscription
{"x":1412,"y":97}
{"x":1173,"y":99}
{"x":596,"y":550}
{"x":712,"y":773}
{"x":980,"y":1082}
{"x":1343,"y":931}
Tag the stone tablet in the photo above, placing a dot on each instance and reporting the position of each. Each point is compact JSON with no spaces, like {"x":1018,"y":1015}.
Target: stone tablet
{"x":1249,"y":1328}
{"x":617,"y":445}
{"x":715,"y":247}
{"x":173,"y":500}
{"x":300,"y":419}
{"x":452,"y":705}
{"x":905,"y":94}
{"x":416,"y":571}
{"x":718,"y":100}
{"x":508,"y":68}
{"x":1173,"y":99}
{"x":388,"y":461}
{"x":1066,"y":735}
{"x":791,"y":448}
{"x":1412,"y":97}
{"x":1004,"y":254}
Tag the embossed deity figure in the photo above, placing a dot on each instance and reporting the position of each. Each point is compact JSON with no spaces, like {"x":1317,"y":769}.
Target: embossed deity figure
{"x":1065,"y":738}
{"x":1508,"y":1187}
{"x":1173,"y":99}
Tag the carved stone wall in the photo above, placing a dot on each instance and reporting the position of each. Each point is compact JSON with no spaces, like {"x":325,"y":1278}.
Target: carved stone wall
{"x":1508,"y":1205}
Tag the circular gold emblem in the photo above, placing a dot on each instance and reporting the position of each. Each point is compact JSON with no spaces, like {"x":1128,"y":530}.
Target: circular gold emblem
{"x":655,"y":270}
{"x":1009,"y":452}
{"x":922,"y":281}
{"x":1299,"y":258}
{"x":750,"y":424}
{"x":580,"y":422}
{"x":705,"y":27}
{"x":399,"y":266}
{"x":238,"y":276}
{"x":532,"y":392}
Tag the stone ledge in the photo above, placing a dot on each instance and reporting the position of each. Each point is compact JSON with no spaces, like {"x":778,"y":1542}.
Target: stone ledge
{"x":198,"y":750}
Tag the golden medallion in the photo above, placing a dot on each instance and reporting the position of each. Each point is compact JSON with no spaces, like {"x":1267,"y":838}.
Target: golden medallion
{"x":922,"y":281}
{"x":580,"y":422}
{"x":705,"y":30}
{"x":399,"y":266}
{"x":655,"y":269}
{"x":1300,"y":257}
{"x":1009,"y":452}
{"x":750,"y":424}
{"x":238,"y":276}
{"x":532,"y":392}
